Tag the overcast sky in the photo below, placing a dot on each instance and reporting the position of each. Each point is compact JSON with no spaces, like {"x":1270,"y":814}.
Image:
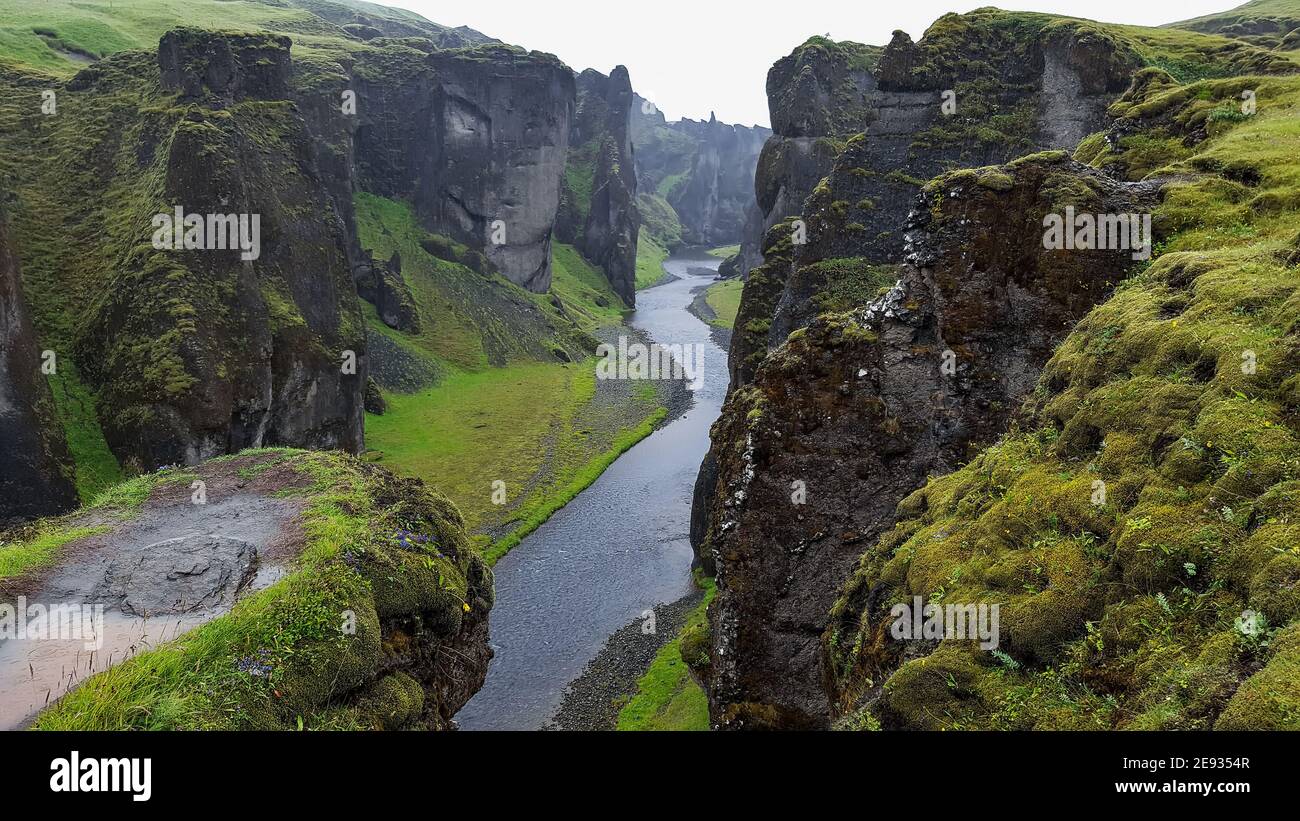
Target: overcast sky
{"x":691,"y":57}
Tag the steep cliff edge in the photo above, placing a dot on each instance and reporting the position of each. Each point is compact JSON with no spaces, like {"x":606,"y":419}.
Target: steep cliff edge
{"x":36,"y":478}
{"x":1026,"y":80}
{"x":476,"y":139}
{"x":855,"y":410}
{"x":202,"y":283}
{"x":976,"y":89}
{"x":1137,"y":528}
{"x":598,"y":212}
{"x":377,"y":618}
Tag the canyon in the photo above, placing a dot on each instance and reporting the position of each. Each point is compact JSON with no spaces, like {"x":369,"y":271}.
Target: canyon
{"x":393,"y":400}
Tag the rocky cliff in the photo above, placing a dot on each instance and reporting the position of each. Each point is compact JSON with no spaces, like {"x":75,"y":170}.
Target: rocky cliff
{"x":476,"y":139}
{"x":202,"y":288}
{"x":703,"y":170}
{"x":714,"y":198}
{"x":821,"y":334}
{"x":598,"y":212}
{"x":855,"y":410}
{"x":1135,"y":527}
{"x":36,"y":478}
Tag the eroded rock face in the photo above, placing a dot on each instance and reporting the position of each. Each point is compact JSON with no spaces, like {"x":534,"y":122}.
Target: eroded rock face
{"x":475,"y":138}
{"x":705,"y":167}
{"x":233,"y":66}
{"x":605,"y":227}
{"x":856,"y":409}
{"x":381,"y":284}
{"x":714,"y":201}
{"x":36,"y":472}
{"x":969,"y":93}
{"x":201,"y":351}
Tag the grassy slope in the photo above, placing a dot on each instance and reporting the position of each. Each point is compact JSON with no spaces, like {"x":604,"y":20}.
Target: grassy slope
{"x":1124,"y":614}
{"x":724,"y":298}
{"x":1281,"y":9}
{"x":667,"y":698}
{"x":650,"y":256}
{"x":71,"y":30}
{"x":531,"y":422}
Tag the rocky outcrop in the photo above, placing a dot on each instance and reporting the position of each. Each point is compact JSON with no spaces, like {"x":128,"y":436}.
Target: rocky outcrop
{"x":713,"y":200}
{"x":382,"y":285}
{"x":816,"y":95}
{"x":36,"y":477}
{"x":598,"y":211}
{"x":971,"y":92}
{"x":702,"y":169}
{"x":242,"y":329}
{"x":232,"y":67}
{"x":385,"y":627}
{"x":475,"y":138}
{"x":856,"y":409}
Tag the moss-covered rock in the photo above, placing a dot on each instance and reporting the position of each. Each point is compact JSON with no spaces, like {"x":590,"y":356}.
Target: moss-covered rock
{"x":823,"y":436}
{"x":1137,"y":526}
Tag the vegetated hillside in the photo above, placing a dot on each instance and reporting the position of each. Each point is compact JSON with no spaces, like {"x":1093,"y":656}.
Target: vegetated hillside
{"x":1179,"y":393}
{"x":405,"y":266}
{"x":63,"y":35}
{"x":1267,"y":23}
{"x":173,"y":357}
{"x":696,"y":178}
{"x":837,"y":383}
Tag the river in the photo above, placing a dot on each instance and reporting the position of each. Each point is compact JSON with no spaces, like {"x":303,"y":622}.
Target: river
{"x":619,"y":548}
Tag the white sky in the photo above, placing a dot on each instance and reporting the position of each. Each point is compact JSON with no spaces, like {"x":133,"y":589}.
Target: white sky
{"x":691,"y":57}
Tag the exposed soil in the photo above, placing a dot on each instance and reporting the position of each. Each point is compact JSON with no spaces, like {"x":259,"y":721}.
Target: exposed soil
{"x":156,"y":573}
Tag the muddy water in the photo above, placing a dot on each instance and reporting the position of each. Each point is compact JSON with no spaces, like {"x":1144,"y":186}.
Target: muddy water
{"x":621,"y":547}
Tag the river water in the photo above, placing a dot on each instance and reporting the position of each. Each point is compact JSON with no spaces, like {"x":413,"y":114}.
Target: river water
{"x":619,"y":548}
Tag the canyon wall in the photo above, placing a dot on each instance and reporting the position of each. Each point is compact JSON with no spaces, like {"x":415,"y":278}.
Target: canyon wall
{"x":703,"y":170}
{"x":866,"y":276}
{"x":36,"y":478}
{"x":598,"y":212}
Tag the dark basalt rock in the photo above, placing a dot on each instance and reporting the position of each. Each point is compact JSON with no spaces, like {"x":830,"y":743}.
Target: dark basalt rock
{"x":1013,"y":93}
{"x":601,"y":126}
{"x":232,"y":66}
{"x":382,"y":285}
{"x":181,"y":575}
{"x":475,"y":138}
{"x":36,"y":476}
{"x":858,"y":407}
{"x":197,"y":353}
{"x":713,"y":163}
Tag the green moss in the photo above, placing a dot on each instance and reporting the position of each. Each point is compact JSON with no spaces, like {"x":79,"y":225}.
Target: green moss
{"x":724,"y":298}
{"x":650,"y":256}
{"x":667,"y":697}
{"x":1149,"y":497}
